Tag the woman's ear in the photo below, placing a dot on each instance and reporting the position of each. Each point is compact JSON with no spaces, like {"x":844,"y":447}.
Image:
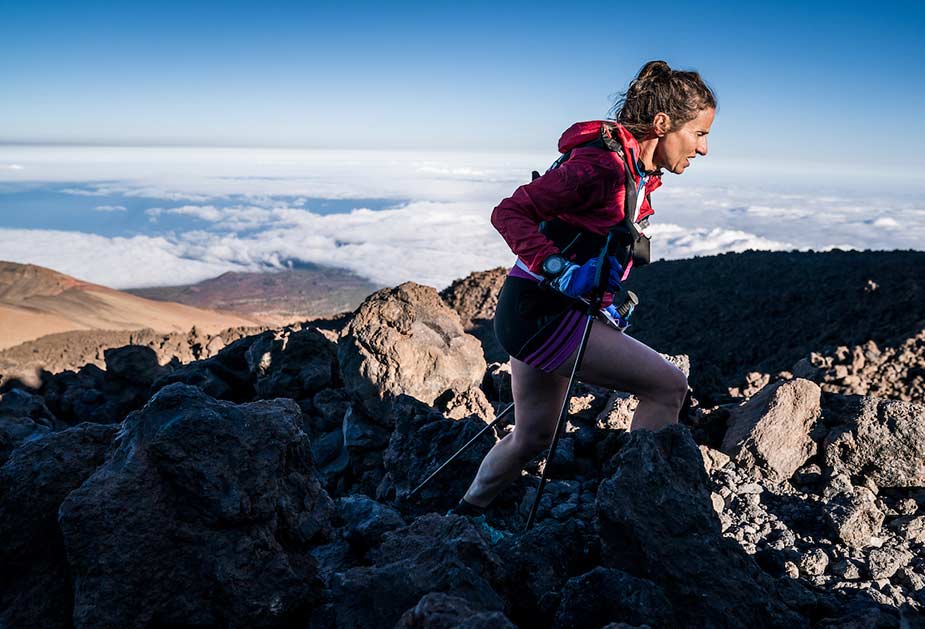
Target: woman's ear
{"x":661,"y":123}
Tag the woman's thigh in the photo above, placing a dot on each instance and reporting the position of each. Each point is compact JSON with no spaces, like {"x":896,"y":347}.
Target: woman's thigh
{"x":620,"y":362}
{"x":538,"y":399}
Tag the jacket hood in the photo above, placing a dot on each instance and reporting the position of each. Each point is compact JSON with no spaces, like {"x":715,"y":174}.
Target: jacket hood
{"x":582,"y":132}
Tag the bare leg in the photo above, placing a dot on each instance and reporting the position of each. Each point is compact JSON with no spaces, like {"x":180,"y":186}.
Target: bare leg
{"x":620,"y":362}
{"x":613,"y":360}
{"x":537,"y":400}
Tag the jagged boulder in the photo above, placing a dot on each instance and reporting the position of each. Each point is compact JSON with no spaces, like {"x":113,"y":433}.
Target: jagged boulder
{"x":656,"y":522}
{"x":606,"y":595}
{"x":882,"y":440}
{"x":432,"y":554}
{"x":135,"y":365}
{"x":225,"y":376}
{"x":365,"y":521}
{"x":405,"y":340}
{"x":293,"y":364}
{"x":537,"y":564}
{"x":35,"y":587}
{"x":853,"y":516}
{"x":23,"y":417}
{"x":203,"y":514}
{"x":91,"y":395}
{"x":770,"y":433}
{"x":444,"y":611}
{"x":422,"y":440}
{"x":475,"y":299}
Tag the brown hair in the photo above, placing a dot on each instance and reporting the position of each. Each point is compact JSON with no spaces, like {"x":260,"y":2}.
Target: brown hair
{"x":678,"y":93}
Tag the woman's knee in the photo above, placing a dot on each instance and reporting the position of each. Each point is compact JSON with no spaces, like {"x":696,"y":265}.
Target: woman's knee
{"x":529,"y":443}
{"x":671,"y":387}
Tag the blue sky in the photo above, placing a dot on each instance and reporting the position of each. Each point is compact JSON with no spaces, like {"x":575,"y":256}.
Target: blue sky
{"x":823,"y":83}
{"x":147,"y":143}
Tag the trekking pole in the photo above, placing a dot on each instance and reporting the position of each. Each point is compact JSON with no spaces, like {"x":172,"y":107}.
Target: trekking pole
{"x":462,"y":449}
{"x":594,"y":304}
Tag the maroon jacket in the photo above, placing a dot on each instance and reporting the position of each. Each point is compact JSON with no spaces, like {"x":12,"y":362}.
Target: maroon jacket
{"x":586,"y":191}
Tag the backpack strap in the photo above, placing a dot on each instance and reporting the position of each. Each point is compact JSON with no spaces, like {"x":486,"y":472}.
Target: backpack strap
{"x":634,"y":249}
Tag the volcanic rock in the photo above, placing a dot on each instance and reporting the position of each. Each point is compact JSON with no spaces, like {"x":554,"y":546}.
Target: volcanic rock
{"x":537,"y":565}
{"x":607,"y":595}
{"x":883,"y":440}
{"x":134,"y":364}
{"x":770,"y":433}
{"x":424,"y":439}
{"x":405,"y":340}
{"x":433,"y":554}
{"x":854,"y":517}
{"x":366,"y":521}
{"x":882,"y":563}
{"x":443,"y":611}
{"x":656,"y":522}
{"x":225,"y":376}
{"x":35,"y":585}
{"x":194,"y":482}
{"x":23,"y":417}
{"x":475,"y":299}
{"x":293,"y":364}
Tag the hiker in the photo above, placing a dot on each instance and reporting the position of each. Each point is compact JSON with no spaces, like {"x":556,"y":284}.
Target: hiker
{"x":660,"y":123}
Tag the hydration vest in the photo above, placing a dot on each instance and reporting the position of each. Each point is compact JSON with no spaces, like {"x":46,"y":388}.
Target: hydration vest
{"x":632,"y":247}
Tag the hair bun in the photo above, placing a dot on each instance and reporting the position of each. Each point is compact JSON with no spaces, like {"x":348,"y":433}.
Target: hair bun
{"x":654,"y":71}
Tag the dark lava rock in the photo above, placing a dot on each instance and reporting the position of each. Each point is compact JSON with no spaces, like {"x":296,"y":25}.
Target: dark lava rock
{"x":366,"y":521}
{"x":423,"y":440}
{"x":35,"y":585}
{"x":657,"y":522}
{"x":607,"y":595}
{"x":443,"y":611}
{"x":91,"y":395}
{"x":202,"y":515}
{"x":330,"y":405}
{"x":433,"y":554}
{"x":537,"y":564}
{"x":23,"y":417}
{"x":225,"y":376}
{"x":134,"y":364}
{"x":293,"y":364}
{"x":773,"y":308}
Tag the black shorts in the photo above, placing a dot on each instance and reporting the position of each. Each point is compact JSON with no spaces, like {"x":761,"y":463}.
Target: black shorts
{"x":536,"y":325}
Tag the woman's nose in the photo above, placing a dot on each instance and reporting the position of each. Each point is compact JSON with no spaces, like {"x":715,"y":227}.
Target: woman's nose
{"x":702,"y":146}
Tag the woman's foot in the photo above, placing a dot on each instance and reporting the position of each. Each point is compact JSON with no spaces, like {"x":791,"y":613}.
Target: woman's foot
{"x":466,"y":508}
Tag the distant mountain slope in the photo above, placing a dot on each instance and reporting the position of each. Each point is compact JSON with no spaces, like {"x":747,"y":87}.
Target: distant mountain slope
{"x":35,"y":301}
{"x":306,"y":292}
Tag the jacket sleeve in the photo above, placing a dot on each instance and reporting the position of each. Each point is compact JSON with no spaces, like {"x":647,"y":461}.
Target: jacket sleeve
{"x":572,"y":186}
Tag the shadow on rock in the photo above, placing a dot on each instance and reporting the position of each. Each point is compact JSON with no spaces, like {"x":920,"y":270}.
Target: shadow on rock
{"x":203,"y":515}
{"x":656,"y":522}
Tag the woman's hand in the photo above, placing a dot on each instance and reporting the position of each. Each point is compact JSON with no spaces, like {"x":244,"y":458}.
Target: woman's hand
{"x":577,"y":280}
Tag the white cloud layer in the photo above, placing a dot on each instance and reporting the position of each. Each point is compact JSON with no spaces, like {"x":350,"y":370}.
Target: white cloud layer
{"x":110,"y":208}
{"x":438,"y":231}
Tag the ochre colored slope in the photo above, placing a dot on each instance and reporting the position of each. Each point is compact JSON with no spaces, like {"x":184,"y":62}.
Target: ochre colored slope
{"x":35,"y":301}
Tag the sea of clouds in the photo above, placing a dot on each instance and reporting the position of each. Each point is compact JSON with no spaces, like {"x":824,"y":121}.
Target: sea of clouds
{"x":256,"y":209}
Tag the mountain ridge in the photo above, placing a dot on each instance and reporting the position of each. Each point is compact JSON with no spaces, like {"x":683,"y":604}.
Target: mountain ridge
{"x":36,"y":301}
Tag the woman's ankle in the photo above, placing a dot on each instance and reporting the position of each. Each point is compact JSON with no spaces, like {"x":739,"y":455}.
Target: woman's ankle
{"x":464,"y":507}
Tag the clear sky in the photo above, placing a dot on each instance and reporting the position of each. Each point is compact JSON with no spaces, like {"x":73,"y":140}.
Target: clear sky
{"x":822,"y":82}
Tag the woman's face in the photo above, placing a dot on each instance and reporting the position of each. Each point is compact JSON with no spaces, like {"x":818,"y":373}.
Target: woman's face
{"x":677,"y":148}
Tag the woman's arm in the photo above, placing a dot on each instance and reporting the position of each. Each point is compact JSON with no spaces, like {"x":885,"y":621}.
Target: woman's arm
{"x":575,"y":185}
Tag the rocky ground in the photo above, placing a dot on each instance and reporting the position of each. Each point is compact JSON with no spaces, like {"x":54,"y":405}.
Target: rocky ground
{"x":268,"y":483}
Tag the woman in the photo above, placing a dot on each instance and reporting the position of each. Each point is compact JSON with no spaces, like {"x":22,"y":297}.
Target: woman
{"x":661,"y":124}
